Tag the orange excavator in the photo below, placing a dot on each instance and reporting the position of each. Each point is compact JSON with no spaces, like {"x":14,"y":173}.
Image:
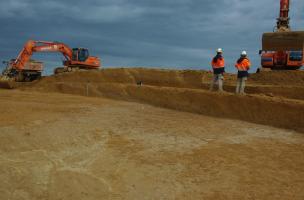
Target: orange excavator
{"x":283,"y":49}
{"x":24,"y":69}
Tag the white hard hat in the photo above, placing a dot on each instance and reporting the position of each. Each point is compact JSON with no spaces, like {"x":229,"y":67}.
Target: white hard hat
{"x":244,"y":53}
{"x":219,"y":50}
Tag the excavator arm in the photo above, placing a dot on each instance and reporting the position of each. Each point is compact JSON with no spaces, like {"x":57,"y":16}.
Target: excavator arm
{"x":283,"y":20}
{"x":40,"y":46}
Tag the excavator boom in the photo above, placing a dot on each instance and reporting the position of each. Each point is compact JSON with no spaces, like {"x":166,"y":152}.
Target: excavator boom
{"x":40,"y":46}
{"x":283,"y":20}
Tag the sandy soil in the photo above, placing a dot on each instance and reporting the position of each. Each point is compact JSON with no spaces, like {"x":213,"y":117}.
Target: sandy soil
{"x":274,"y":98}
{"x":56,"y":146}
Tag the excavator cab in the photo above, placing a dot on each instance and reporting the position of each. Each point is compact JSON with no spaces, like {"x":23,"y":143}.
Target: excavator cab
{"x":80,"y":59}
{"x":296,"y":56}
{"x":80,"y":54}
{"x":295,"y":59}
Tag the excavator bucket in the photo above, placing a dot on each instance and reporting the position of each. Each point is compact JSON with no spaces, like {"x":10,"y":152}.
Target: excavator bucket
{"x":7,"y":83}
{"x":283,"y":41}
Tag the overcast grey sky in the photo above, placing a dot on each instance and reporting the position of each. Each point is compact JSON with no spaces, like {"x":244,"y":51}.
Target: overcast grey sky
{"x":153,"y":33}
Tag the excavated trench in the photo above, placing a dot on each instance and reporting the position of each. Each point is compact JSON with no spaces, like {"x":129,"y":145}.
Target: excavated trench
{"x":275,"y":98}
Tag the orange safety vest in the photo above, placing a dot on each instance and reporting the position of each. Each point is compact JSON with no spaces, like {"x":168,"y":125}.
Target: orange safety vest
{"x":244,"y":65}
{"x":220,"y":63}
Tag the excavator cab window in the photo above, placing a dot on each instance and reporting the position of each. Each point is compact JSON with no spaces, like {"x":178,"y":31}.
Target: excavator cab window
{"x":80,"y":54}
{"x":83,"y":55}
{"x":296,"y":56}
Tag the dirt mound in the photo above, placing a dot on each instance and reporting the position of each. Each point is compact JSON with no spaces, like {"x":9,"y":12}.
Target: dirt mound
{"x":287,"y":84}
{"x":177,"y":78}
{"x":278,"y":78}
{"x":155,"y":77}
{"x":177,"y":90}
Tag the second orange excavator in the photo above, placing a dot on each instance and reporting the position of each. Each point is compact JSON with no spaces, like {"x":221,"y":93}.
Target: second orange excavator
{"x":283,"y":49}
{"x":24,"y":69}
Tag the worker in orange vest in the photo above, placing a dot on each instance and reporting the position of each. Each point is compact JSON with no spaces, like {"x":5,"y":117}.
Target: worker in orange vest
{"x":243,"y":65}
{"x":218,"y":66}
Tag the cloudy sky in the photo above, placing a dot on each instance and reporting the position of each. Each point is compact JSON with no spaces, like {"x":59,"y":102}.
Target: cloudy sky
{"x":152,"y":33}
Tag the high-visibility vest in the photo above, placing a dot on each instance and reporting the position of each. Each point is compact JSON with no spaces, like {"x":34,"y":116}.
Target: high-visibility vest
{"x":220,"y":63}
{"x":244,"y":65}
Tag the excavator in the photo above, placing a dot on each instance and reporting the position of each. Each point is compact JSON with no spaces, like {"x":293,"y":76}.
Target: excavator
{"x":282,"y":49}
{"x":24,"y":69}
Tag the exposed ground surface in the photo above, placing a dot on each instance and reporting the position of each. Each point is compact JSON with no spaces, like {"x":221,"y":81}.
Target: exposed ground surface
{"x":64,"y":146}
{"x":55,"y":146}
{"x":276,"y":98}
